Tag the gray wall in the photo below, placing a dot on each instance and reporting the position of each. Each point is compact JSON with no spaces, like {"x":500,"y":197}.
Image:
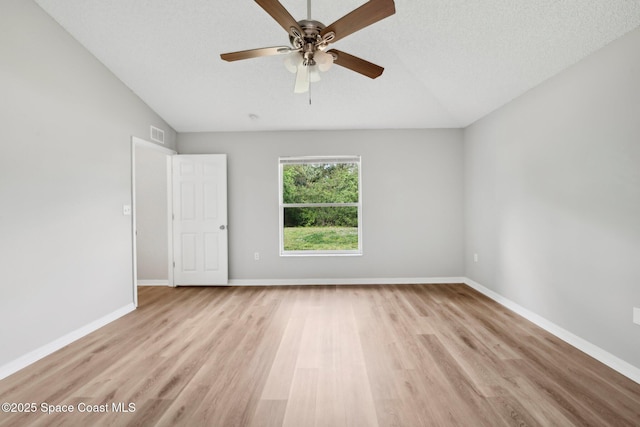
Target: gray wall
{"x":151,"y":214}
{"x":552,"y":202}
{"x":65,"y":128}
{"x":412,"y":201}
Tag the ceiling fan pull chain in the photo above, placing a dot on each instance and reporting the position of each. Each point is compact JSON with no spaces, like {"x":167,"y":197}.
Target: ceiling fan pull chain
{"x":309,"y":77}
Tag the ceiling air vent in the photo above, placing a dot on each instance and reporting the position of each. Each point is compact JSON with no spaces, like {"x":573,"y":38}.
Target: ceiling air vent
{"x":157,"y":135}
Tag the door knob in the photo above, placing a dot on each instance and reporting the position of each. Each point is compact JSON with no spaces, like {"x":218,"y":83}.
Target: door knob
{"x":222,"y":227}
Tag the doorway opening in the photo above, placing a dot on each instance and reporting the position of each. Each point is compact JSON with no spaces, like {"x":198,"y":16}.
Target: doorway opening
{"x":151,"y":209}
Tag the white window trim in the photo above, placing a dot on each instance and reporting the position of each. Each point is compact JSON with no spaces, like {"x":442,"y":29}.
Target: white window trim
{"x":318,"y":159}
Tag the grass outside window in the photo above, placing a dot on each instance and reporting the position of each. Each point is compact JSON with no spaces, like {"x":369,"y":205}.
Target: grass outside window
{"x":320,"y":238}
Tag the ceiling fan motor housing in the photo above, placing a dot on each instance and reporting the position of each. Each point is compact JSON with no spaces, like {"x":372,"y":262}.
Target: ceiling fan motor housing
{"x":310,"y":40}
{"x":311,"y":33}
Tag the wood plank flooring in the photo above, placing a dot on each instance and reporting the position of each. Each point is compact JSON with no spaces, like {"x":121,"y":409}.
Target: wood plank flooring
{"x":396,"y":355}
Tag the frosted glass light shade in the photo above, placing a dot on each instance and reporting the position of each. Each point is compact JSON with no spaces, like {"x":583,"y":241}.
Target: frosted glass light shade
{"x":323,"y":60}
{"x":292,"y":61}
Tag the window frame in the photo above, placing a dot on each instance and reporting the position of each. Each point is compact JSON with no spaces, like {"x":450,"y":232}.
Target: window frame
{"x":281,"y":205}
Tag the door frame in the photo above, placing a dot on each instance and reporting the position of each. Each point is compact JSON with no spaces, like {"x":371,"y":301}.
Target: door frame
{"x":141,"y":143}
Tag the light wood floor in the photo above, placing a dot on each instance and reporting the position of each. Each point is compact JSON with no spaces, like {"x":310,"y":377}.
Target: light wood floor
{"x":405,"y":355}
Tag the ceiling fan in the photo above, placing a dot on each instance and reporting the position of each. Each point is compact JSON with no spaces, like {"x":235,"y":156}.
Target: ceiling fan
{"x":310,"y":39}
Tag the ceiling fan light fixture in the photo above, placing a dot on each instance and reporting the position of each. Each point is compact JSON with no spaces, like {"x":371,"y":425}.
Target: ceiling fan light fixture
{"x":324,"y":60}
{"x":292,"y":61}
{"x":302,"y":79}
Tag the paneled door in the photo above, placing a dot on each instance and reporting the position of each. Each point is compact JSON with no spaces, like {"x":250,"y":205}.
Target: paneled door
{"x":200,"y":219}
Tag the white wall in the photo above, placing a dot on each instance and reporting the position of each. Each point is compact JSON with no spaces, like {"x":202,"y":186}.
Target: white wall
{"x":552,"y":202}
{"x":151,"y":214}
{"x":65,"y":173}
{"x":412,"y":201}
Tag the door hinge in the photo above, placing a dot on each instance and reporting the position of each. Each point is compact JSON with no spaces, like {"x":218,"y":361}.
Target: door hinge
{"x":174,"y":264}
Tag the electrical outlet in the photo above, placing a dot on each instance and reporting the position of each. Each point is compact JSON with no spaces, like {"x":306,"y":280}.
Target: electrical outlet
{"x":636,"y":315}
{"x":256,"y":256}
{"x":475,"y":257}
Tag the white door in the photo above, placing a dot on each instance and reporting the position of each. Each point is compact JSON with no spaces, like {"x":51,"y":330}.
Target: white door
{"x":200,"y":219}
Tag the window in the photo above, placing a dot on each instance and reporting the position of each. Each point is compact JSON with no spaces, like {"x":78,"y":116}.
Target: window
{"x":320,"y":206}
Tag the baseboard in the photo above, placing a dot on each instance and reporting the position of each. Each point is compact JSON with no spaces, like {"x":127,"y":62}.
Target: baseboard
{"x":363,"y":281}
{"x":152,"y":282}
{"x":625,"y":368}
{"x":39,"y":353}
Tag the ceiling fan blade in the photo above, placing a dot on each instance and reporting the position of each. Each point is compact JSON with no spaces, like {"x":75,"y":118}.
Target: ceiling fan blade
{"x":256,"y":53}
{"x":280,"y":14}
{"x":367,"y":14}
{"x":356,"y":64}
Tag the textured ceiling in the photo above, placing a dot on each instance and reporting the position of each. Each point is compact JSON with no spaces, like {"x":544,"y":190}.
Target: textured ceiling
{"x":447,"y":62}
